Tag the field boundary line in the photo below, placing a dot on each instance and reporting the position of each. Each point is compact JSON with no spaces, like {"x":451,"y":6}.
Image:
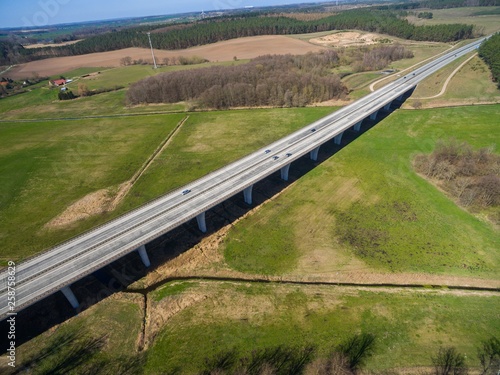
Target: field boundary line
{"x":128,"y":185}
{"x":277,"y":281}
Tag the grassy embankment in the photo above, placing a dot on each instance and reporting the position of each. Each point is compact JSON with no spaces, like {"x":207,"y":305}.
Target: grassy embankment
{"x":366,"y":208}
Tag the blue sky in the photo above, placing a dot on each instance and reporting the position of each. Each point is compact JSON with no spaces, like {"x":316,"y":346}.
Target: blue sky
{"x":19,"y":13}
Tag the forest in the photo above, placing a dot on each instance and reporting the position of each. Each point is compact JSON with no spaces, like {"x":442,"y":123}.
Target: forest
{"x":252,"y":24}
{"x":279,"y":81}
{"x":490,"y":53}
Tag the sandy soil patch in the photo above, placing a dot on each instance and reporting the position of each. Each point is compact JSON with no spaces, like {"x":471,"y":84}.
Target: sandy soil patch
{"x":41,"y":45}
{"x":347,"y":39}
{"x":92,"y":204}
{"x":242,"y":48}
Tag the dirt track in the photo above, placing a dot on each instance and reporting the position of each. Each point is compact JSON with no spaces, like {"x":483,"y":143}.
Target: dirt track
{"x":242,"y":48}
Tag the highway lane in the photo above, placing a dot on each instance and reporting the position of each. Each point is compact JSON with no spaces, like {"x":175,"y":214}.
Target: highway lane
{"x":48,"y":272}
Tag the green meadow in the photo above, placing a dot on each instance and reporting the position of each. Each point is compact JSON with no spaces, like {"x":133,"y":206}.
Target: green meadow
{"x":366,"y":201}
{"x":240,"y":318}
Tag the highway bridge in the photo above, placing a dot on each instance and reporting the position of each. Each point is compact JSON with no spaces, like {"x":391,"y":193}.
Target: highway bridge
{"x":56,"y":269}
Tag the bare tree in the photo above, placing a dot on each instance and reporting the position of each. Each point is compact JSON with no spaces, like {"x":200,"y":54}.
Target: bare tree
{"x":449,"y":362}
{"x":127,"y":60}
{"x":489,"y":356}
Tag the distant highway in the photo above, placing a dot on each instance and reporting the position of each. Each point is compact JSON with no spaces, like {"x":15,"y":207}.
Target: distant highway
{"x":62,"y":265}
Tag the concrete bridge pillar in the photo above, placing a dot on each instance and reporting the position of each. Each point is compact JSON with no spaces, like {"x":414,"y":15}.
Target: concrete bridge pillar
{"x":338,"y":139}
{"x":373,"y":116}
{"x":144,"y":255}
{"x":400,"y":98}
{"x":357,"y":127}
{"x":314,"y":154}
{"x":202,"y":223}
{"x":247,"y":195}
{"x":70,"y":296}
{"x":284,"y":172}
{"x":387,"y":107}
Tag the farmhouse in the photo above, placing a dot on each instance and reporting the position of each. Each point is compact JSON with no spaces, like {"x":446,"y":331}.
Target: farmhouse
{"x":57,"y":82}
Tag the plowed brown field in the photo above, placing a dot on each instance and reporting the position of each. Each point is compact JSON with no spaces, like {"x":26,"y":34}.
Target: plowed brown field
{"x":242,"y":48}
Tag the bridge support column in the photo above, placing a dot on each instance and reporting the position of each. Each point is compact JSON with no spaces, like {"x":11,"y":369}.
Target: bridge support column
{"x":338,"y":138}
{"x":400,"y":99}
{"x":387,"y":107}
{"x":202,"y":224}
{"x":284,"y":172}
{"x":70,"y":296}
{"x":357,"y":127}
{"x":373,"y":116}
{"x":144,"y":255}
{"x":247,"y":195}
{"x":314,"y":154}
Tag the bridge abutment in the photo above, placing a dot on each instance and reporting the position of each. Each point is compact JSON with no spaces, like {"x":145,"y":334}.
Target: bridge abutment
{"x":144,"y":255}
{"x":202,"y":223}
{"x":70,"y":296}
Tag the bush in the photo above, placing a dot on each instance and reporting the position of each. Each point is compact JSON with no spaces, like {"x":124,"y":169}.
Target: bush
{"x":470,"y":176}
{"x":489,"y":356}
{"x":66,"y":95}
{"x":449,"y":362}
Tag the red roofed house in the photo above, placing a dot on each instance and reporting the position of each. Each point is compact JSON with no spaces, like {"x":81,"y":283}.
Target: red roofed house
{"x":58,"y":82}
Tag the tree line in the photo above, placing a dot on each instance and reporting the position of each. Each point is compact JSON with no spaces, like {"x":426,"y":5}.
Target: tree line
{"x":279,"y":81}
{"x":440,"y":4}
{"x":215,"y":30}
{"x":489,"y":51}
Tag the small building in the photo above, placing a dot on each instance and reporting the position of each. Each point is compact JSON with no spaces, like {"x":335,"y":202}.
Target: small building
{"x":57,"y":82}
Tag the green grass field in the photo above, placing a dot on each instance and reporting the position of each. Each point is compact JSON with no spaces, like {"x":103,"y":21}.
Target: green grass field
{"x":366,"y":208}
{"x":46,"y":166}
{"x":103,"y":339}
{"x":487,"y":23}
{"x":409,"y":326}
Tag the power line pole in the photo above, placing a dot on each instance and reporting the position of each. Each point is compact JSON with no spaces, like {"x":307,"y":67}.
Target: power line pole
{"x":152,"y":52}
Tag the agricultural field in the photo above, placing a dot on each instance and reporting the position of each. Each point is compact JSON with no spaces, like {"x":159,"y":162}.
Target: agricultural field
{"x":486,"y":19}
{"x":241,"y":48}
